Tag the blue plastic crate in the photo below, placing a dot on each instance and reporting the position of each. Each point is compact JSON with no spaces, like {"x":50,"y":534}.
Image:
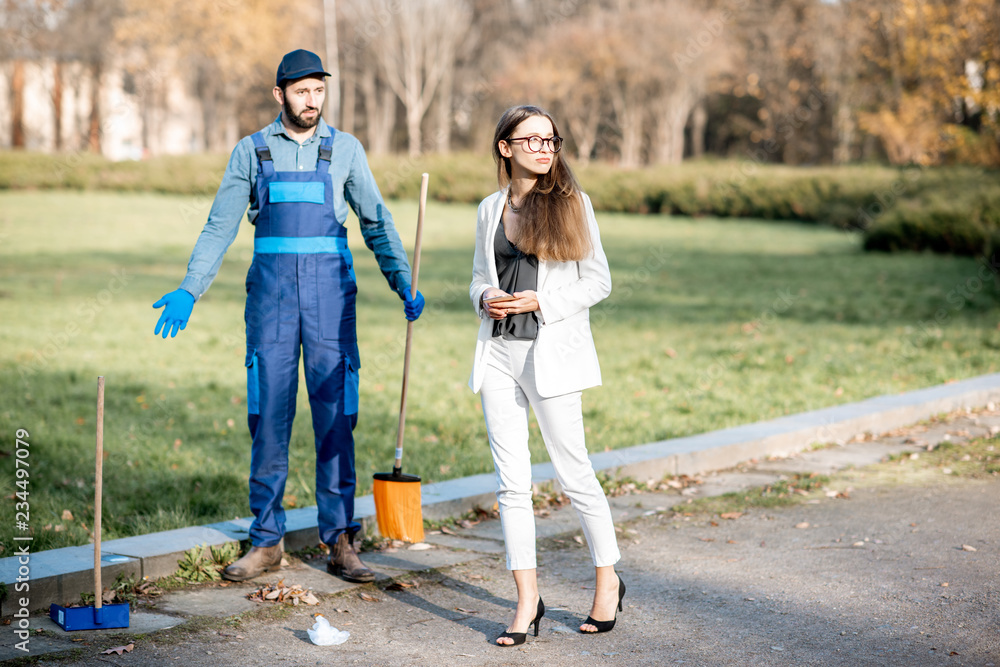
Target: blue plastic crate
{"x":71,"y":619}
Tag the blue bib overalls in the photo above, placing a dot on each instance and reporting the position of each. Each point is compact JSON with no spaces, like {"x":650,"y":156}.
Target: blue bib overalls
{"x":300,"y":293}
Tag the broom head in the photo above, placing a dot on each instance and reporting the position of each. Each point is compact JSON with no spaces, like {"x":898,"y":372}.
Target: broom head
{"x":397,"y":506}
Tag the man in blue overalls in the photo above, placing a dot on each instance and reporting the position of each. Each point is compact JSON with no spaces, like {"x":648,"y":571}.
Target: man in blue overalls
{"x":298,"y":176}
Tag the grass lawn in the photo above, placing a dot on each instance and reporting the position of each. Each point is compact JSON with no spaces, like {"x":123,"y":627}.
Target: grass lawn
{"x":711,"y":324}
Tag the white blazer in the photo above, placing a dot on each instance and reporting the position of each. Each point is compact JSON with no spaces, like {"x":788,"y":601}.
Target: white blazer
{"x":565,"y":359}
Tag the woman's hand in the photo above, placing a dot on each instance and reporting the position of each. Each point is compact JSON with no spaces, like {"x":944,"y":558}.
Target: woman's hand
{"x":526,"y":302}
{"x":495,"y":311}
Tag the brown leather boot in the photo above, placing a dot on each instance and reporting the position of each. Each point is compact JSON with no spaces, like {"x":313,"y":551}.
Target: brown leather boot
{"x":256,"y":561}
{"x":344,"y":562}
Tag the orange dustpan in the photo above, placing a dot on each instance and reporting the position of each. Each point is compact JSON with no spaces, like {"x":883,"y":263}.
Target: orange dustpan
{"x":397,"y":496}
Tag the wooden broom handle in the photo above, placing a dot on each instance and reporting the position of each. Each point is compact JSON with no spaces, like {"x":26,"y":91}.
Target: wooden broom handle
{"x":398,"y":465}
{"x":98,"y":476}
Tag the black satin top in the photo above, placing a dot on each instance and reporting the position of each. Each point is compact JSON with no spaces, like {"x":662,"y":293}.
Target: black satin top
{"x":517,"y":272}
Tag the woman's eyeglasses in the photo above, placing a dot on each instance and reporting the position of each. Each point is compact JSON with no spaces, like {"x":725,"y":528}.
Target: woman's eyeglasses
{"x":535,"y":143}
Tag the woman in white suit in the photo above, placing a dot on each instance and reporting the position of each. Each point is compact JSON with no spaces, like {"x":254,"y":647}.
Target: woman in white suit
{"x":537,"y":270}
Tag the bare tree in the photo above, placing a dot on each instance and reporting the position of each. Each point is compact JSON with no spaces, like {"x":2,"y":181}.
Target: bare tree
{"x":332,"y":61}
{"x":416,"y":47}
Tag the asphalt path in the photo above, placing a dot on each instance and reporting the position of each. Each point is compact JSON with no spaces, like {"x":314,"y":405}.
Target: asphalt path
{"x":898,"y":574}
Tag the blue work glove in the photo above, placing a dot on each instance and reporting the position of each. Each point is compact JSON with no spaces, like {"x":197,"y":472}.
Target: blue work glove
{"x":179,"y":304}
{"x":413,"y":306}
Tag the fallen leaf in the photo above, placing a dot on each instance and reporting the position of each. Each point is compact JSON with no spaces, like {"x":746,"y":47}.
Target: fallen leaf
{"x":119,"y":649}
{"x":858,"y":544}
{"x":447,"y":531}
{"x":342,"y":611}
{"x":707,"y":539}
{"x":731,"y":542}
{"x":578,"y":539}
{"x":402,"y":585}
{"x":475,"y":576}
{"x":309,"y":598}
{"x":966,"y":547}
{"x":944,"y":584}
{"x":714,"y":524}
{"x":466,"y":611}
{"x":368,"y":597}
{"x":804,"y":524}
{"x":731,"y":515}
{"x":67,"y":515}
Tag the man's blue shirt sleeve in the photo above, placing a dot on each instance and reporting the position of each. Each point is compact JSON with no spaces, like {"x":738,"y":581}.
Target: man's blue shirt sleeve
{"x":377,"y":228}
{"x":223,"y":221}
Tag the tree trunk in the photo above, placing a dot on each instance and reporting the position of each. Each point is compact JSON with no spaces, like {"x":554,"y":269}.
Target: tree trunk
{"x":584,"y":131}
{"x":368,"y":93}
{"x":332,"y":63}
{"x":380,"y":112}
{"x":629,"y":114}
{"x":386,"y":120}
{"x":699,"y":121}
{"x":17,"y":105}
{"x":349,"y":99}
{"x":674,"y":110}
{"x":94,"y":134}
{"x":414,"y":114}
{"x":844,"y":130}
{"x":57,"y":104}
{"x":442,"y":138}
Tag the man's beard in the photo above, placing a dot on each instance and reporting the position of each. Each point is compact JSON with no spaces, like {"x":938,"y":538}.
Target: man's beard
{"x":299,"y":121}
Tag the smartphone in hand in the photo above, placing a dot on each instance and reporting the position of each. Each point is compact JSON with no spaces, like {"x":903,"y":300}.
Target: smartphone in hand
{"x":499,"y":298}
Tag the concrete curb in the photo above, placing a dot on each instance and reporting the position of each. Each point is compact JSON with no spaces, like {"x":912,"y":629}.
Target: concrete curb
{"x":60,"y":575}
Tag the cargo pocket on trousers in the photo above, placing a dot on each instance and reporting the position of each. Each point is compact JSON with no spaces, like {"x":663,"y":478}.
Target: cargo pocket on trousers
{"x":253,"y":382}
{"x":351,"y":385}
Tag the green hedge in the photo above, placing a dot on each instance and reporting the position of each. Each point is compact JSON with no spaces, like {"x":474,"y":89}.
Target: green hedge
{"x":947,"y":209}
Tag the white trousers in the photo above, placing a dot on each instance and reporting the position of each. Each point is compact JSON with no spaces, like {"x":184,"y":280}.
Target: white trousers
{"x":508,"y":390}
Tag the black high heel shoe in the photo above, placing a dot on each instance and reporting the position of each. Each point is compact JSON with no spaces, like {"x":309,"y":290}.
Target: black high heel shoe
{"x":607,"y":626}
{"x":519,"y":637}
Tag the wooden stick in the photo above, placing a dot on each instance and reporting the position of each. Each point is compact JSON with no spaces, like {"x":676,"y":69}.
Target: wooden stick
{"x":397,"y":466}
{"x":97,"y":492}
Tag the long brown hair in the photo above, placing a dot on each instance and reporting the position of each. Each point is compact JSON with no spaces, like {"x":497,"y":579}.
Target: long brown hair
{"x":555,"y":224}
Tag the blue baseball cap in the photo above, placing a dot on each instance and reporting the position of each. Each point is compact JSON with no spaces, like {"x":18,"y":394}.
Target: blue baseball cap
{"x":297,"y":64}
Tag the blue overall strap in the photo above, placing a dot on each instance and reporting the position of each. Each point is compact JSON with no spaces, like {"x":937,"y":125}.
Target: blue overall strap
{"x":325,"y":154}
{"x":263,"y":155}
